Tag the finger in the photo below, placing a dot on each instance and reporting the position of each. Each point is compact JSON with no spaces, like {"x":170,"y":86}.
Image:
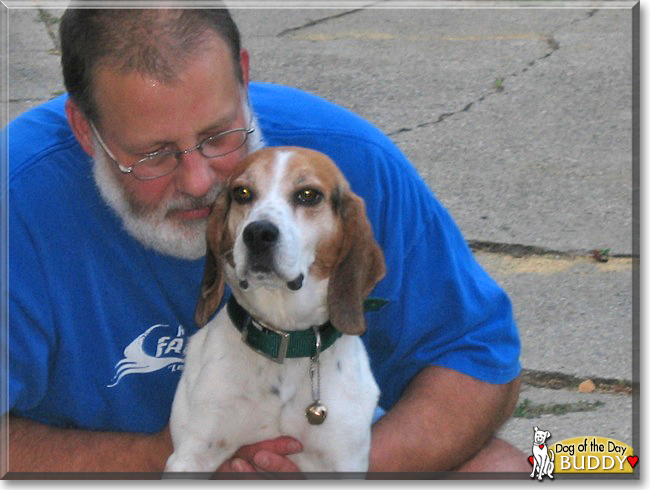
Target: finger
{"x":269,"y":466}
{"x":236,"y":466}
{"x":274,"y":463}
{"x":282,"y":445}
{"x":274,"y":466}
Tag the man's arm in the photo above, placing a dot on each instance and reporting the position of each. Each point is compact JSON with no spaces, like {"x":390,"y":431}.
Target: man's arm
{"x":35,"y":447}
{"x":442,"y":420}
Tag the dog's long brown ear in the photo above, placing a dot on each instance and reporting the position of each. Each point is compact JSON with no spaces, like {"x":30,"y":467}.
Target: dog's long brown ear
{"x":360,"y":265}
{"x":212,"y":284}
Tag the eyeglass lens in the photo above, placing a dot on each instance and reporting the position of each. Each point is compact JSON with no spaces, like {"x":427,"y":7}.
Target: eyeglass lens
{"x":212,"y":147}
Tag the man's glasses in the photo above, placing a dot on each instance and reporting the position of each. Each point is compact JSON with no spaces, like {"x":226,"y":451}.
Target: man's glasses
{"x":163,"y":162}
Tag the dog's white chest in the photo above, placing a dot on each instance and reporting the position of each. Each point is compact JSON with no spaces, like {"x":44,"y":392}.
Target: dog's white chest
{"x":230,"y":396}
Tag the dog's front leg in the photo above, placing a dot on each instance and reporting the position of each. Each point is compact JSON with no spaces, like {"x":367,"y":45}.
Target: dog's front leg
{"x":201,"y":437}
{"x":199,"y":456}
{"x":535,"y":463}
{"x":543,"y":461}
{"x":205,"y":436}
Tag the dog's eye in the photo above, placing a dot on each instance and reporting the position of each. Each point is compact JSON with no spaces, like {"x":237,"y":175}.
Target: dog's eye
{"x":308,"y":197}
{"x":242,"y":194}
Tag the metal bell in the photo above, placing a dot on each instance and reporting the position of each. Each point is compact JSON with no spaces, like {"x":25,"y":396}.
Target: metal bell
{"x":316,"y":413}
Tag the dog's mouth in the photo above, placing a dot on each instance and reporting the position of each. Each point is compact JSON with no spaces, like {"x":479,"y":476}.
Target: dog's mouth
{"x":263,"y":260}
{"x":266,"y":276}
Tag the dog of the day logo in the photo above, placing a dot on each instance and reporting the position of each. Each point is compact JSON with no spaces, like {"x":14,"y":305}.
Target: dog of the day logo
{"x":579,"y":455}
{"x":543,"y":459}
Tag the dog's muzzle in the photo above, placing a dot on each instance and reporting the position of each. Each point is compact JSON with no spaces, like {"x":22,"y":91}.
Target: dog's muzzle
{"x":261,"y":238}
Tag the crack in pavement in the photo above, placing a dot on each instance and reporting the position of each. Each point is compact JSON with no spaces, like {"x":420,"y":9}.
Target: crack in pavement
{"x":322,"y":20}
{"x":553,"y":46}
{"x":49,"y":21}
{"x":521,"y":250}
{"x":554,"y":380}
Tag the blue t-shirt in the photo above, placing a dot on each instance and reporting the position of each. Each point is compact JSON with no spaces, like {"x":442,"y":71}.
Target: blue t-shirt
{"x":98,"y":323}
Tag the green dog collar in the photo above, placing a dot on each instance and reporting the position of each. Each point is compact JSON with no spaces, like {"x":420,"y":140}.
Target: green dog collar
{"x":279,"y":344}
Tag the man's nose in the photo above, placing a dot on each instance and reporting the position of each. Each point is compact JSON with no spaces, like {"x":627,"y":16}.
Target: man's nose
{"x":195,"y":175}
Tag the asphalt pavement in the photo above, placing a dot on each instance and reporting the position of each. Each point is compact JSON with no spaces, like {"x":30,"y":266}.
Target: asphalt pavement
{"x":519,"y":116}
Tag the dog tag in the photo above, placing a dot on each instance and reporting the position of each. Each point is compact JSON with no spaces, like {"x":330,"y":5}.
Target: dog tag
{"x":316,"y":413}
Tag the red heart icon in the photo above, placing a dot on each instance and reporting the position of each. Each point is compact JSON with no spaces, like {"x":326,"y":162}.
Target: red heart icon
{"x":632,"y":460}
{"x":531,"y":460}
{"x":541,"y":446}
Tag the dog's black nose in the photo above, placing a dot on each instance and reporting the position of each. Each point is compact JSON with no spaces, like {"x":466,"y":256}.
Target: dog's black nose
{"x":259,"y":236}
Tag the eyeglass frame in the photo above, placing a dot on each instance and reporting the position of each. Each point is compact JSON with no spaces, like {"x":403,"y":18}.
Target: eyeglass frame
{"x":177,"y":154}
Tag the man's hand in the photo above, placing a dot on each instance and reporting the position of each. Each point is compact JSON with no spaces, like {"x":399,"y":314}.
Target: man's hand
{"x":266,"y":456}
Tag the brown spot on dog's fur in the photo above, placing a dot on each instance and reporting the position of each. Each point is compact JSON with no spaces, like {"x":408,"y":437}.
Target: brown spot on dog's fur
{"x":327,"y":254}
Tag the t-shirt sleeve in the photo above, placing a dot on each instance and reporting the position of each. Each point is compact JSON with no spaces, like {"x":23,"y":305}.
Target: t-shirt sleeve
{"x":444,"y":309}
{"x":31,"y":341}
{"x":30,"y":338}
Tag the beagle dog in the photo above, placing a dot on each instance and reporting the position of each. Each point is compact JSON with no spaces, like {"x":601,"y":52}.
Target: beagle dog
{"x":284,"y":356}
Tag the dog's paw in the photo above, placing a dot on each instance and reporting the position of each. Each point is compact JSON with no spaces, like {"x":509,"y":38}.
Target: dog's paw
{"x":178,"y":464}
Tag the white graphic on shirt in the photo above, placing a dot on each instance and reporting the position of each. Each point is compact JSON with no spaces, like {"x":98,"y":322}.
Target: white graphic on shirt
{"x":169,"y":352}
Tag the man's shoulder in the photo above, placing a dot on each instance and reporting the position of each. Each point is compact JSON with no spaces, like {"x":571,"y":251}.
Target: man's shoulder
{"x":284,"y":111}
{"x":37,"y":133}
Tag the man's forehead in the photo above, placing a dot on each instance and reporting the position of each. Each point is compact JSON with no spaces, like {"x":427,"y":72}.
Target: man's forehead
{"x":201,"y":96}
{"x":163,"y":61}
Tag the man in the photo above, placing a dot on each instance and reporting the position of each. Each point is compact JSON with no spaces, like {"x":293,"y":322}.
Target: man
{"x":106,"y":257}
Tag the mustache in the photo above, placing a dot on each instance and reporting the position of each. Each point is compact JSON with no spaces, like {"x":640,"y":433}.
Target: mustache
{"x":189,"y":203}
{"x":170,"y":206}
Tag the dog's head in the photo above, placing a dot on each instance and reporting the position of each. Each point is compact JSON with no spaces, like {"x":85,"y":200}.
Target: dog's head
{"x":540,"y":435}
{"x":288,"y":226}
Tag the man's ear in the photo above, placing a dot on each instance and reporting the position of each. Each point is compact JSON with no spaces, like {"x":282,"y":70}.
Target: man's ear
{"x":80,"y":126}
{"x":245,"y":66}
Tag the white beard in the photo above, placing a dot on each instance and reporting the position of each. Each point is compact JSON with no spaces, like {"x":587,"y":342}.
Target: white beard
{"x":150,"y":224}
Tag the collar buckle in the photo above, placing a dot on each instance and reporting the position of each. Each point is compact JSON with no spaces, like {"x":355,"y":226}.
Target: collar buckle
{"x":282,"y":336}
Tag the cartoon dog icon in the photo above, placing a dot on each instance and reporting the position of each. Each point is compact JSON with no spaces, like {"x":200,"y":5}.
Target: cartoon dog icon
{"x":543,"y":457}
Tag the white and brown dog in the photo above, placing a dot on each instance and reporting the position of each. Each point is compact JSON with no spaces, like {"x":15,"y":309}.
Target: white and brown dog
{"x":294,"y":245}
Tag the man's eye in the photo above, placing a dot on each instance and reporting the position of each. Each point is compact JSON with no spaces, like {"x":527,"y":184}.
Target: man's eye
{"x":308,"y":197}
{"x":159,"y":159}
{"x":163,"y":150}
{"x":242,"y":194}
